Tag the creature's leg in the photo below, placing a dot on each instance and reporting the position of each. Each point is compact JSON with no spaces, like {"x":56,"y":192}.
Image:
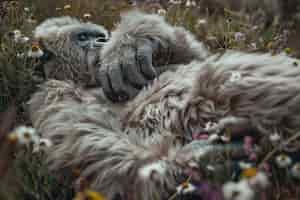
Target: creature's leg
{"x":86,"y":136}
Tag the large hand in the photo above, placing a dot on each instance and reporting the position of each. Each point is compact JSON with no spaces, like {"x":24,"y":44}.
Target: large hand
{"x":128,"y":69}
{"x":141,"y":47}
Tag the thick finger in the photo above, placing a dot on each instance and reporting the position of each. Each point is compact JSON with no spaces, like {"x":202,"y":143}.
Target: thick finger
{"x":122,"y":90}
{"x":131,"y":70}
{"x":104,"y":79}
{"x":144,"y":59}
{"x":117,"y":82}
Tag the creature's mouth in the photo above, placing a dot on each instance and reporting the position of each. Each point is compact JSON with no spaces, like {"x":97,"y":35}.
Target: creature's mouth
{"x":100,"y":41}
{"x":97,"y":45}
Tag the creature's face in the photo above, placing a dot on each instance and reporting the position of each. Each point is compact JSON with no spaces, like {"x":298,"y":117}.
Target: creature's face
{"x":71,"y":48}
{"x":89,"y":36}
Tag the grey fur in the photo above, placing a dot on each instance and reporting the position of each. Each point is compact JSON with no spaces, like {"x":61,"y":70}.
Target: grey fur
{"x":87,"y":136}
{"x":112,"y":142}
{"x":266,"y":95}
{"x":86,"y":127}
{"x":139,"y":49}
{"x":69,"y":60}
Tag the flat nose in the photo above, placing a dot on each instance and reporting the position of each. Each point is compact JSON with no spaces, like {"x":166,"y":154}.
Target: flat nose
{"x":101,"y":40}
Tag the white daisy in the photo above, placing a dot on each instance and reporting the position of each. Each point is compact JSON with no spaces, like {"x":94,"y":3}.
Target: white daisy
{"x":190,"y":3}
{"x":35,"y":52}
{"x":193,"y":164}
{"x":185,"y":188}
{"x":162,"y":12}
{"x":295,"y":171}
{"x":245,"y":165}
{"x":87,"y":15}
{"x":283,"y":161}
{"x":238,"y":36}
{"x":20,"y":55}
{"x":210,"y":168}
{"x":238,"y":191}
{"x":26,"y":9}
{"x":15,"y":35}
{"x":42,"y":145}
{"x":201,"y":22}
{"x":235,"y":76}
{"x":175,"y":2}
{"x":259,"y":180}
{"x":253,"y":46}
{"x":275,"y":137}
{"x":24,"y":39}
{"x":26,"y":135}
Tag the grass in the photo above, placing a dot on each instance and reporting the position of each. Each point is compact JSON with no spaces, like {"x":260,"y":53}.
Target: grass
{"x":19,"y":76}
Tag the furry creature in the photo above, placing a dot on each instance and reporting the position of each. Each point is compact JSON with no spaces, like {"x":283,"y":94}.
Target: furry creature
{"x":137,"y":149}
{"x":71,"y":48}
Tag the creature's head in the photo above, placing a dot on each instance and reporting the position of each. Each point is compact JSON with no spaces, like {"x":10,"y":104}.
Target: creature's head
{"x":70,"y":48}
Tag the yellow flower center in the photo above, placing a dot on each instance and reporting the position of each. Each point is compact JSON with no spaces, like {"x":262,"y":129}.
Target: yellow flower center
{"x":92,"y":195}
{"x":26,"y":135}
{"x":249,"y":172}
{"x":283,"y":157}
{"x":35,"y":47}
{"x":185,"y":185}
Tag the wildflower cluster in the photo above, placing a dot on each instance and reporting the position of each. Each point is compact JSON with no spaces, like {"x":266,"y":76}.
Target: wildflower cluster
{"x":18,"y":76}
{"x":27,"y":136}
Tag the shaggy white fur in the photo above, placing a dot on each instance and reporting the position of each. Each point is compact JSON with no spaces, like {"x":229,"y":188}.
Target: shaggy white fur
{"x":118,"y":145}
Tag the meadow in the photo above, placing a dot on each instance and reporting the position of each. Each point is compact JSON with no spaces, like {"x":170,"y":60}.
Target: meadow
{"x":220,"y":29}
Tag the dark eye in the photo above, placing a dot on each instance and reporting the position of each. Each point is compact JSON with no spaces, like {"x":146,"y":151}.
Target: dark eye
{"x":100,"y":35}
{"x":83,"y":37}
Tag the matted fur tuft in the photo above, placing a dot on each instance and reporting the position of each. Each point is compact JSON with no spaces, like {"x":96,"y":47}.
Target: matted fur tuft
{"x":87,"y":136}
{"x":53,"y":26}
{"x":56,"y":26}
{"x":266,"y":93}
{"x":265,"y":97}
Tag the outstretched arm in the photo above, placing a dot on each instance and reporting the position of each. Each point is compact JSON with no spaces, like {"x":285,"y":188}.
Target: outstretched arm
{"x":141,"y":47}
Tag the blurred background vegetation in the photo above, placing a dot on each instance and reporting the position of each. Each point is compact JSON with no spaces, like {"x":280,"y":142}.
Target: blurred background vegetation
{"x":219,"y":29}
